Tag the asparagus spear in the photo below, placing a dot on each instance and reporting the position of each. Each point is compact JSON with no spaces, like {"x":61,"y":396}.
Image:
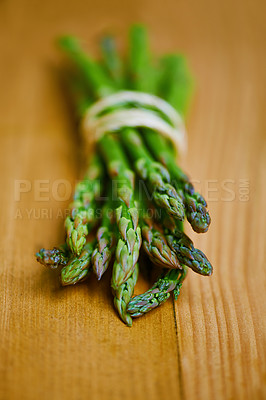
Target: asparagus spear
{"x":183,"y":247}
{"x":186,"y":252}
{"x":158,"y":294}
{"x":105,"y":236}
{"x":153,"y":173}
{"x":79,"y":267}
{"x":195,"y":205}
{"x":123,"y":294}
{"x":153,"y":240}
{"x":129,"y":240}
{"x":175,"y":87}
{"x":82,"y":218}
{"x":125,"y":268}
{"x":156,"y":246}
{"x":82,"y":209}
{"x":54,"y":257}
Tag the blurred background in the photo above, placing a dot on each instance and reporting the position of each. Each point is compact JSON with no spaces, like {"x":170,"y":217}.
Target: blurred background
{"x":69,"y":344}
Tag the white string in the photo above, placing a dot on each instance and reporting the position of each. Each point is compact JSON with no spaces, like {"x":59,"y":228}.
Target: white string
{"x":95,"y":126}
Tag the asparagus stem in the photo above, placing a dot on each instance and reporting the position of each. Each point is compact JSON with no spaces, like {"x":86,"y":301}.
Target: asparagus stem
{"x":78,"y":268}
{"x":142,"y":75}
{"x":129,"y":240}
{"x":80,"y":97}
{"x":158,"y":294}
{"x":82,"y":209}
{"x":54,"y":257}
{"x":93,"y":75}
{"x":123,"y":294}
{"x":105,"y":245}
{"x":111,"y":60}
{"x":176,"y":83}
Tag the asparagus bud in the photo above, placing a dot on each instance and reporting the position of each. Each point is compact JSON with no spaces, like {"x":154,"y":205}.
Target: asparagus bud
{"x":123,"y":294}
{"x":78,"y":268}
{"x":54,"y":257}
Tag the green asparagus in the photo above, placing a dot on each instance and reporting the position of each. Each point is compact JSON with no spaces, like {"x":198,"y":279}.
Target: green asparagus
{"x":123,"y":294}
{"x":153,"y":173}
{"x":154,"y":161}
{"x":175,"y":70}
{"x":79,"y":267}
{"x":186,"y":253}
{"x":129,"y":240}
{"x":106,"y":238}
{"x":158,"y":294}
{"x":156,"y":246}
{"x":195,"y":205}
{"x":175,"y":86}
{"x":82,"y":209}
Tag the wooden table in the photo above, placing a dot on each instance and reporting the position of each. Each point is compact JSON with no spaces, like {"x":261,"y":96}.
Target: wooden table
{"x":69,"y":343}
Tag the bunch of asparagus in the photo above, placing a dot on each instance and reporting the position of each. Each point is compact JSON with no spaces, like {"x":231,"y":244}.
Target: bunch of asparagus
{"x":132,"y":171}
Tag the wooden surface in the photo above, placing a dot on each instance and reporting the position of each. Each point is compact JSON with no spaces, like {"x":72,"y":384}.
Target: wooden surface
{"x":69,"y":343}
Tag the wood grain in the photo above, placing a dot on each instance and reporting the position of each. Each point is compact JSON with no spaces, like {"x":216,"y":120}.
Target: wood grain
{"x":68,"y":343}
